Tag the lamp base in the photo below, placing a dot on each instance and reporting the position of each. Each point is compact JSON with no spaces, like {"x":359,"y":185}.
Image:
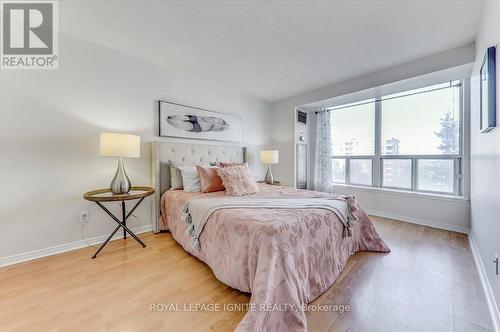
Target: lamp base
{"x":269,"y":175}
{"x":121,"y":182}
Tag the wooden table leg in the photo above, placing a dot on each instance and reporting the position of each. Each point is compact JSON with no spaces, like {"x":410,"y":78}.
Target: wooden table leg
{"x":124,"y":219}
{"x":106,"y":242}
{"x":121,"y":224}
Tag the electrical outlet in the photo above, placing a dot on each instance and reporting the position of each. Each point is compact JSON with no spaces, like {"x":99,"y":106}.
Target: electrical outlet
{"x":84,"y":216}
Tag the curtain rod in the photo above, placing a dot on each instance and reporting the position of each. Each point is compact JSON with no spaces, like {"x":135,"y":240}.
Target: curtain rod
{"x":390,"y":98}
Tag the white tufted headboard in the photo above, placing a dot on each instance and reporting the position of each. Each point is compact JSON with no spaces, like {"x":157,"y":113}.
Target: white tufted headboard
{"x":184,"y":154}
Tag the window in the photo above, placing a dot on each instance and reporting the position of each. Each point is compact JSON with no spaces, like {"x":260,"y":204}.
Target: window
{"x":360,"y":172}
{"x":409,"y":140}
{"x":353,"y":129}
{"x":339,"y":170}
{"x":435,"y":175}
{"x":396,"y":173}
{"x":421,"y":122}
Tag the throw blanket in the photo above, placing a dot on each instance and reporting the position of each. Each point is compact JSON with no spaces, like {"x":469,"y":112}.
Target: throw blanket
{"x":196,"y":212}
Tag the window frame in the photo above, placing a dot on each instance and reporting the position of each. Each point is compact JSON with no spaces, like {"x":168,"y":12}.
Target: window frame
{"x":378,"y":157}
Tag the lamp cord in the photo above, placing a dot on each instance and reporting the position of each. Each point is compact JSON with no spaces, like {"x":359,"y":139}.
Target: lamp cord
{"x":83,"y":236}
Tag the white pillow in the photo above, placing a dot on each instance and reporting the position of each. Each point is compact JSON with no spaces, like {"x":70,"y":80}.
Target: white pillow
{"x":190,"y":179}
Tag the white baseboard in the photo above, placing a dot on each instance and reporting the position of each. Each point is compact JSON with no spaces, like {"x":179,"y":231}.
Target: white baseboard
{"x":30,"y":255}
{"x":488,"y":292}
{"x":423,"y":222}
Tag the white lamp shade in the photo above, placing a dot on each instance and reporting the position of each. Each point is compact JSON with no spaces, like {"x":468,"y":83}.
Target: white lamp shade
{"x":269,"y":156}
{"x":120,"y":145}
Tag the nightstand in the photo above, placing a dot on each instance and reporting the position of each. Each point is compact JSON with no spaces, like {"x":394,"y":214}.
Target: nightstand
{"x":275,"y":183}
{"x":105,"y":195}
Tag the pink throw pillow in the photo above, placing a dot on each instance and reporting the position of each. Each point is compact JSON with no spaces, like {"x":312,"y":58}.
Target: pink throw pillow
{"x":209,"y":179}
{"x":238,"y":180}
{"x":231,"y":163}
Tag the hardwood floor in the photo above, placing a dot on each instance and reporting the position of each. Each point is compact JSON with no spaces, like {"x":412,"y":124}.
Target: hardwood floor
{"x":427,"y":283}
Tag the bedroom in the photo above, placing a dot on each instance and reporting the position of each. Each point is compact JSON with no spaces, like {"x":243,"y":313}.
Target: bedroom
{"x":414,"y":198}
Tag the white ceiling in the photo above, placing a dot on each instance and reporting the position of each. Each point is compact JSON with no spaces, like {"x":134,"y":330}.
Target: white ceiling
{"x":275,"y":50}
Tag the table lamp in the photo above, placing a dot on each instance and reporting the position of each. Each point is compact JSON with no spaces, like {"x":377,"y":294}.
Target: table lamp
{"x":269,"y":157}
{"x":120,"y":145}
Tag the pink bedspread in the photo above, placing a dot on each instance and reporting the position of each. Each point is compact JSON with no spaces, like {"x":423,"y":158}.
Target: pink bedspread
{"x":284,"y":257}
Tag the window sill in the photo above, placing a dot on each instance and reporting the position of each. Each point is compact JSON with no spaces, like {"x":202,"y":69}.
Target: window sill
{"x":402,"y":192}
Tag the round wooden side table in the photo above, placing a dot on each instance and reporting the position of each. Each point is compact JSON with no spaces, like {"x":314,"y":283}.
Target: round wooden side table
{"x":105,"y":195}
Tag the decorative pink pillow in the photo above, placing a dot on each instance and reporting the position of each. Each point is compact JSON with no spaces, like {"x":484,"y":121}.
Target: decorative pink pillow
{"x":209,"y":179}
{"x":231,"y":163}
{"x":238,"y":180}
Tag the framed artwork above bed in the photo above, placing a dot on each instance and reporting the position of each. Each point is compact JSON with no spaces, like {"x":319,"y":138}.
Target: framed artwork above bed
{"x":487,"y":91}
{"x":182,"y":121}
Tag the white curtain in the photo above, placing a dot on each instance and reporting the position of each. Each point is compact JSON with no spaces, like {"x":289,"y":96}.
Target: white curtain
{"x":323,"y":168}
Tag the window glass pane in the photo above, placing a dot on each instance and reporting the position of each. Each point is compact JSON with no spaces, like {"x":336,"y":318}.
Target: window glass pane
{"x":353,"y":130}
{"x":339,"y":170}
{"x":360,"y":171}
{"x":396,"y":173}
{"x":422,"y":123}
{"x":436,"y":175}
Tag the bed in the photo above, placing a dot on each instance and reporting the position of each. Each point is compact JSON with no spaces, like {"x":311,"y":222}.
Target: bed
{"x":284,"y":257}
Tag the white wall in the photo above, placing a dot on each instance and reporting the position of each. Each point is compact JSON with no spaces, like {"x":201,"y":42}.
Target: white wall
{"x":421,"y":209}
{"x":50,"y":122}
{"x":485,"y":154}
